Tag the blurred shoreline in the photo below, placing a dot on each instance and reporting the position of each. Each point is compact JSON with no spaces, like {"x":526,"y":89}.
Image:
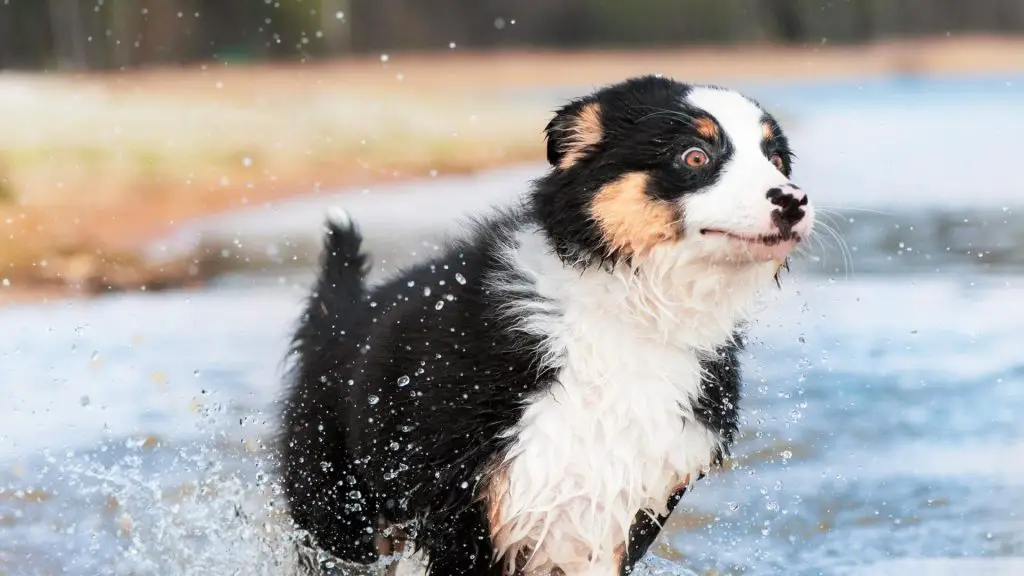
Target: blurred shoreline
{"x":95,"y":166}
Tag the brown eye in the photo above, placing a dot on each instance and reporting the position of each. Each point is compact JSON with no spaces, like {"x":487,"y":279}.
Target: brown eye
{"x":695,"y":158}
{"x":777,"y":161}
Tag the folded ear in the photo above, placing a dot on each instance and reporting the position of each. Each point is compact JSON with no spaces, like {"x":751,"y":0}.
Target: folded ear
{"x":575,"y":128}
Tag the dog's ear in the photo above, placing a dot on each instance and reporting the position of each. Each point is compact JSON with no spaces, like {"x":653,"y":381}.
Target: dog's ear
{"x":574,"y":130}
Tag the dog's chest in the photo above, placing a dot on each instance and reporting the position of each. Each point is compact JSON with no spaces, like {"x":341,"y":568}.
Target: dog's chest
{"x":621,"y":410}
{"x":615,"y":434}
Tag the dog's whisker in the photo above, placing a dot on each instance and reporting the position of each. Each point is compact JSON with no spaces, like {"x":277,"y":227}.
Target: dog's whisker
{"x":554,"y":377}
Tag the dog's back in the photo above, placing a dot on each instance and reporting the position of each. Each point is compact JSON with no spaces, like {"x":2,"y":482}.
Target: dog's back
{"x":399,"y":399}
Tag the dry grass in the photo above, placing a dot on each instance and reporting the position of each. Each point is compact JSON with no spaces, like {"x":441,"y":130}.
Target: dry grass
{"x":91,"y":166}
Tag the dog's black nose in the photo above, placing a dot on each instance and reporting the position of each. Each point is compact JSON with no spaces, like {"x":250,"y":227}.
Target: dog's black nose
{"x":790,"y":200}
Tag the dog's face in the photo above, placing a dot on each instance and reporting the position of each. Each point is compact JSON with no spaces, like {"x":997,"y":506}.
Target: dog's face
{"x":651,"y":162}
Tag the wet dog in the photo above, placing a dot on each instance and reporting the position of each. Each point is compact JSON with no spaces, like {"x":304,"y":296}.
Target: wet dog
{"x":538,"y":397}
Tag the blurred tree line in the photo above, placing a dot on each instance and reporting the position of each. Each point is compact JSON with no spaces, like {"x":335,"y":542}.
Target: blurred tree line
{"x":97,"y":34}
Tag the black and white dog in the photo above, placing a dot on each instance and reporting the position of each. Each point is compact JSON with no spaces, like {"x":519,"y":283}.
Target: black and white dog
{"x":536,"y":399}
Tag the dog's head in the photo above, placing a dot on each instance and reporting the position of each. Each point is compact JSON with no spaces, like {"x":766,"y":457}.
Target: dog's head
{"x":651,"y":164}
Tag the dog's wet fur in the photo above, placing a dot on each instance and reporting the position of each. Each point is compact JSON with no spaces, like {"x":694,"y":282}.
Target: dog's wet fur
{"x":537,"y":398}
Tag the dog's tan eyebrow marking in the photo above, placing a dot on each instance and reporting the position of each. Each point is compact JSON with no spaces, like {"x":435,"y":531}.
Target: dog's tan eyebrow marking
{"x":584,"y":132}
{"x":767,"y":131}
{"x":706,"y":128}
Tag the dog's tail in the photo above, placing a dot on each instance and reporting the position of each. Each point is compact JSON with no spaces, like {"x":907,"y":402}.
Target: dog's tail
{"x":313,"y":412}
{"x":343,"y":264}
{"x":339,"y":288}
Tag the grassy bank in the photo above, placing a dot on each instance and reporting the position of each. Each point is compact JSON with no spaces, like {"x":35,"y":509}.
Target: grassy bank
{"x":92,"y":166}
{"x":90,"y":169}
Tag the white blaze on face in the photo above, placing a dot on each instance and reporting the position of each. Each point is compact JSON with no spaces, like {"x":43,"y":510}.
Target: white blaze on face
{"x":737,"y":202}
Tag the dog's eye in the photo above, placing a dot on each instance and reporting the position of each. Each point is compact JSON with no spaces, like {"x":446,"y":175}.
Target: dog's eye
{"x":777,"y":161}
{"x":695,"y":158}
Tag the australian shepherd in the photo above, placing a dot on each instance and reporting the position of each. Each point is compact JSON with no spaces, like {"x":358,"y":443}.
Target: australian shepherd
{"x":536,"y":398}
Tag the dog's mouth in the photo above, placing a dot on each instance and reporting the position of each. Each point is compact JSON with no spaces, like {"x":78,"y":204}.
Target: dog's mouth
{"x":766,"y":239}
{"x":761,"y":246}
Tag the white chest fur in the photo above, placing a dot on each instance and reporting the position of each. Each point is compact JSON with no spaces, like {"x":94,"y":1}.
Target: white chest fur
{"x":616,"y":433}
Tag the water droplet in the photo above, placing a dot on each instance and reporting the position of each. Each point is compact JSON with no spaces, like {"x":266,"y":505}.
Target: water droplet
{"x":451,"y":45}
{"x":384,"y":57}
{"x":339,"y":15}
{"x":403,"y":381}
{"x":460,"y":278}
{"x":247,"y":162}
{"x":372,"y":399}
{"x":426,"y":290}
{"x":439,"y":305}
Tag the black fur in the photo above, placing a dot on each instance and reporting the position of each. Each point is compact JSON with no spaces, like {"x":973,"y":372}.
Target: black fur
{"x":777,"y":144}
{"x":412,"y":384}
{"x":645,"y":531}
{"x":399,"y":392}
{"x":718,"y":407}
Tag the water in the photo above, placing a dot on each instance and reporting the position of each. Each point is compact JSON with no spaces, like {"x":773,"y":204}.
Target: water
{"x":882,"y":436}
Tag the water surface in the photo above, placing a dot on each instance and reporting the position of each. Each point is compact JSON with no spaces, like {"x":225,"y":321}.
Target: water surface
{"x":885,"y":381}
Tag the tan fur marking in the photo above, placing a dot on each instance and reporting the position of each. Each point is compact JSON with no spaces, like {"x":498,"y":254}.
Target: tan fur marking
{"x":620,"y":558}
{"x":494,"y":493}
{"x":632,"y":222}
{"x":390,"y":540}
{"x":495,"y":489}
{"x":766,"y":131}
{"x":684,"y":484}
{"x":706,"y":127}
{"x":584,"y":132}
{"x":384,"y":544}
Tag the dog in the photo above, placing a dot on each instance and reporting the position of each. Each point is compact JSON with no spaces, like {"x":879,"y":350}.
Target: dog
{"x":536,"y":398}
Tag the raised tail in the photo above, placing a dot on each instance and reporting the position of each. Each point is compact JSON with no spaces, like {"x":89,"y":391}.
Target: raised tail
{"x":343,"y":264}
{"x":339,"y":288}
{"x":312,"y":435}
